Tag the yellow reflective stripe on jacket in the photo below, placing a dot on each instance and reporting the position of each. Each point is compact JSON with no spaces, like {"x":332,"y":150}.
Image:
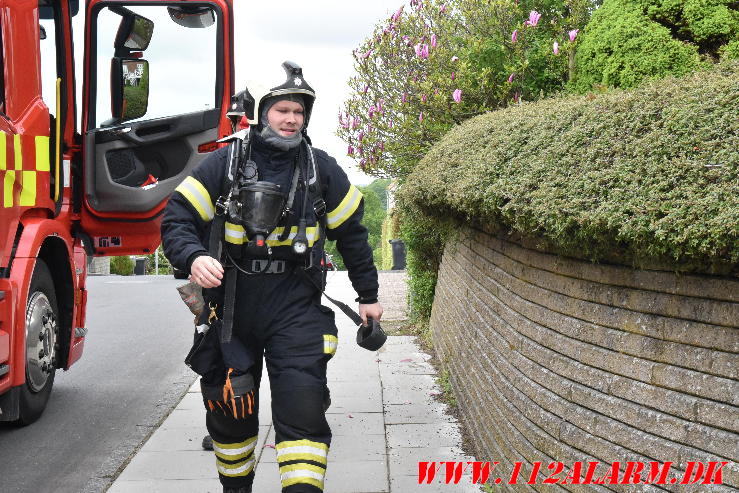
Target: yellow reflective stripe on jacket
{"x":198,"y":196}
{"x":236,"y":235}
{"x":302,"y":450}
{"x":330,"y":343}
{"x":302,"y":473}
{"x":234,"y":451}
{"x":235,"y":470}
{"x":345,"y":209}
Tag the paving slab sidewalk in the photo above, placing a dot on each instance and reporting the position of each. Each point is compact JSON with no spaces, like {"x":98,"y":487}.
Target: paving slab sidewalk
{"x":384,"y":416}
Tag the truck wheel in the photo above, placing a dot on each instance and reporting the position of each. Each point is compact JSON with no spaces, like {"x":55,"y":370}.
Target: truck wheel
{"x":42,"y":332}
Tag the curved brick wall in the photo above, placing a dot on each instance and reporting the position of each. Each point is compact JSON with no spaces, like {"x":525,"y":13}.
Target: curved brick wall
{"x":560,"y":359}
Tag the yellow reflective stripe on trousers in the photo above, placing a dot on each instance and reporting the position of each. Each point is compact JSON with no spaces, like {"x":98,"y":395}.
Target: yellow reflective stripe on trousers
{"x":242,"y":468}
{"x":302,"y":450}
{"x":235,"y":451}
{"x":236,"y":235}
{"x":302,"y":473}
{"x":345,"y":209}
{"x":330,"y":343}
{"x":198,"y":196}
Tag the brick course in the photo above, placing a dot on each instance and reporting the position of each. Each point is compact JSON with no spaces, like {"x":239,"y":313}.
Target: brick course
{"x":560,"y":359}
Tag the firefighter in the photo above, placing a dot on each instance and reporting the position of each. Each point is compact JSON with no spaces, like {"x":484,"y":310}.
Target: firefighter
{"x":263,"y":283}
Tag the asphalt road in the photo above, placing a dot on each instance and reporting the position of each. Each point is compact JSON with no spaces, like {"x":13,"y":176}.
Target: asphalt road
{"x":130,"y":377}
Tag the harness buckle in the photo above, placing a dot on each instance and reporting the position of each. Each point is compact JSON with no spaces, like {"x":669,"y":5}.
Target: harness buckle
{"x":319,"y":207}
{"x":221,"y":206}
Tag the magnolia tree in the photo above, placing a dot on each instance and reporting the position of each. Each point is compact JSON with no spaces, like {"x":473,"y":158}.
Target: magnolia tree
{"x":435,"y":63}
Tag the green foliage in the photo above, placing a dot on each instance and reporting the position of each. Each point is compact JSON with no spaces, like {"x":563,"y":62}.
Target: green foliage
{"x":374,"y":215}
{"x":621,"y":47}
{"x":403,"y":100}
{"x":424,"y":236}
{"x":165,"y":268}
{"x":122,"y":266}
{"x":390,"y":231}
{"x":708,"y":24}
{"x":646,"y":176}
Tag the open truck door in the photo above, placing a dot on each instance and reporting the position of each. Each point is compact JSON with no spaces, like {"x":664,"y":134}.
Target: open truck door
{"x":158,"y":80}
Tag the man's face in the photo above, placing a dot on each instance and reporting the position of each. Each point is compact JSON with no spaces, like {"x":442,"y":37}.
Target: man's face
{"x":286,"y":117}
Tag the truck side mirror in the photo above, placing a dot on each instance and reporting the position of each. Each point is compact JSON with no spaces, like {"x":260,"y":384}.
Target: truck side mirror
{"x":129,"y":88}
{"x":134,"y":32}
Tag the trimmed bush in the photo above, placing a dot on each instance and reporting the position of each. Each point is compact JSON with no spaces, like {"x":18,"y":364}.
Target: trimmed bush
{"x":122,"y":266}
{"x":649,"y":175}
{"x":622,"y":47}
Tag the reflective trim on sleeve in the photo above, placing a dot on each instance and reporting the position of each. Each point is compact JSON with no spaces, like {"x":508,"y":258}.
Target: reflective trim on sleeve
{"x":345,"y":209}
{"x":198,"y":196}
{"x":330,"y":343}
{"x":302,"y":473}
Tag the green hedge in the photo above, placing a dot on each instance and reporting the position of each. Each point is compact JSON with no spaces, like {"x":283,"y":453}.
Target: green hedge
{"x":645,"y":175}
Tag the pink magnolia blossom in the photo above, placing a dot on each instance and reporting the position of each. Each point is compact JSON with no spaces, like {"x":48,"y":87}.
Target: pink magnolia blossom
{"x":533,"y":20}
{"x":404,"y":98}
{"x":433,"y":40}
{"x":396,"y":16}
{"x":454,"y":75}
{"x":371,"y":111}
{"x":517,"y":97}
{"x":573,"y":34}
{"x":511,"y":77}
{"x":436,"y":91}
{"x":355,"y":123}
{"x":422,"y":50}
{"x":350,"y":151}
{"x":455,"y":58}
{"x":363,"y":164}
{"x":367,"y":55}
{"x":443,"y":9}
{"x":555,"y":48}
{"x":381,"y":146}
{"x":390,"y":124}
{"x":407,"y":40}
{"x":366,"y":88}
{"x":424,"y":98}
{"x":514,"y":36}
{"x":360,"y":136}
{"x":420,"y":117}
{"x":457,"y":95}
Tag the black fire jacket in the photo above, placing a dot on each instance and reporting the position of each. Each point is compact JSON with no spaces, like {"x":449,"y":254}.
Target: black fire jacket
{"x":188,"y":215}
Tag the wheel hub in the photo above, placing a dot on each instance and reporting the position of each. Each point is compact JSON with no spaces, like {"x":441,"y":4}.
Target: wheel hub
{"x":41,"y":327}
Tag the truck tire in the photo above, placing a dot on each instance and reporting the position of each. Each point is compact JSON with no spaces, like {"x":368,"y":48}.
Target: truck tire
{"x":42,"y":332}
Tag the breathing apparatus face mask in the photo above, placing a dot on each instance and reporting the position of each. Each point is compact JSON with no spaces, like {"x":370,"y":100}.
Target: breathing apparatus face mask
{"x":258,"y":207}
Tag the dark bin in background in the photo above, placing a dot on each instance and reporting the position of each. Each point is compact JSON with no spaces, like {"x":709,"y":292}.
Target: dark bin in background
{"x":398,"y":254}
{"x":139,"y":268}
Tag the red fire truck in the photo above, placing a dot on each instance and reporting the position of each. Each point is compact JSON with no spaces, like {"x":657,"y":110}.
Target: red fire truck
{"x":157,"y":78}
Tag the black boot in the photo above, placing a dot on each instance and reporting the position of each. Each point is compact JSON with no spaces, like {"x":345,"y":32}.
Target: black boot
{"x":207,"y":443}
{"x":242,"y":489}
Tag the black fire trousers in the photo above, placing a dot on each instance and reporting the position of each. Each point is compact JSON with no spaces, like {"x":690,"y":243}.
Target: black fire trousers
{"x":278,"y":318}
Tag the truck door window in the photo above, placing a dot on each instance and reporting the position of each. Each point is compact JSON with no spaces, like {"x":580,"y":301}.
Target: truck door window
{"x":49,"y":53}
{"x":181,"y":64}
